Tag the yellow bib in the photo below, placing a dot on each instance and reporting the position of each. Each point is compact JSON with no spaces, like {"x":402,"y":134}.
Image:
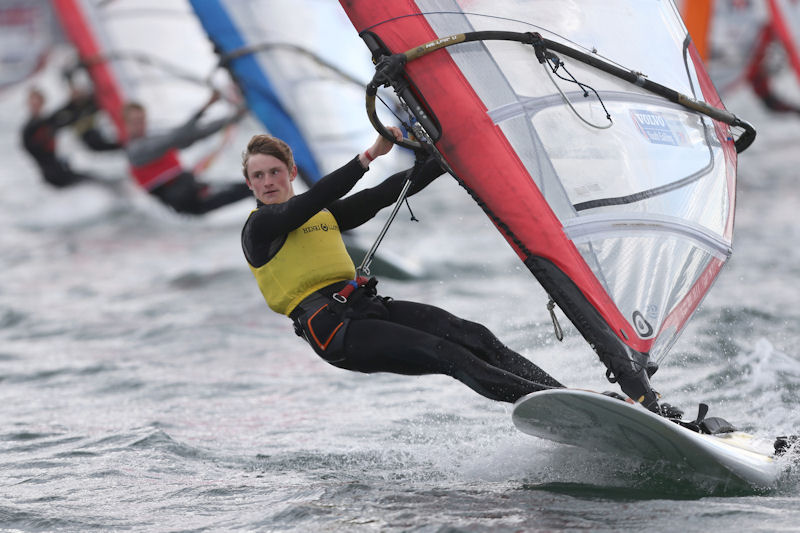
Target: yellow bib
{"x":312,"y":257}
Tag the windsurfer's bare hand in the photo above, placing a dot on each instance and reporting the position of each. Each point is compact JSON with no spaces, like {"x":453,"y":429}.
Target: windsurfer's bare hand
{"x":215,"y":97}
{"x":380,"y":147}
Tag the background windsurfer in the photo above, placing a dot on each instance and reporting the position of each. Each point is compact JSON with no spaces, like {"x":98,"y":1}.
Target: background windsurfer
{"x":293,"y":245}
{"x":157,"y":168}
{"x":761,"y":82}
{"x":39,"y":135}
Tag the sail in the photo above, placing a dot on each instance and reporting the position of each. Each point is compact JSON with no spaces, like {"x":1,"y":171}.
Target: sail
{"x":625,"y":221}
{"x":751,"y":43}
{"x":786,"y":25}
{"x":27,"y":32}
{"x":171,"y":75}
{"x":302,"y":77}
{"x":736,"y":36}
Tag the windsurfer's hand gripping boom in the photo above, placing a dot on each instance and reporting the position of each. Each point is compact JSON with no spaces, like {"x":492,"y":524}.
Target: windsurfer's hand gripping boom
{"x":381,"y":146}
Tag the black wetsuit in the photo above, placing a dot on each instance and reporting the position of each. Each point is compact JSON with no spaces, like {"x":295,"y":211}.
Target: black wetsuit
{"x":183,"y":191}
{"x":381,"y":334}
{"x":39,"y":139}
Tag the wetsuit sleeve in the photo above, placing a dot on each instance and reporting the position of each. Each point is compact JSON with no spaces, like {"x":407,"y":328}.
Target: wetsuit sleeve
{"x":85,"y":126}
{"x":354,"y":210}
{"x":271,"y":222}
{"x":95,"y":140}
{"x":192,"y":131}
{"x":65,"y":116}
{"x":147,"y":149}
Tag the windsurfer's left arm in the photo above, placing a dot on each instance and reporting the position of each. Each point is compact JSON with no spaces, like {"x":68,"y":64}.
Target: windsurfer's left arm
{"x":85,"y":126}
{"x":147,"y":149}
{"x":193,"y":131}
{"x":354,"y":210}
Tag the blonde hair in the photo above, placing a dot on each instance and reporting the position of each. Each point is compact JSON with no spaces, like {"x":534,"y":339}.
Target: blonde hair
{"x":267,"y":145}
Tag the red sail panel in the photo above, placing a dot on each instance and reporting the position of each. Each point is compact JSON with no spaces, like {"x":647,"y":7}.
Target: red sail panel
{"x":786,"y":32}
{"x":82,"y":33}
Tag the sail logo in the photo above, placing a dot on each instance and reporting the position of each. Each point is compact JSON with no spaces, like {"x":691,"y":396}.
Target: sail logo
{"x":642,"y":326}
{"x":655,"y":128}
{"x":439,"y":42}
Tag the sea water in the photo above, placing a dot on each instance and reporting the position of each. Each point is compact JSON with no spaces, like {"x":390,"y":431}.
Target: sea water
{"x":145,"y":385}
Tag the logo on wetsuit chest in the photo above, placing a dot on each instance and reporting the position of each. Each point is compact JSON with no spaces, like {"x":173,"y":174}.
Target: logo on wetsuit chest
{"x":320,"y":227}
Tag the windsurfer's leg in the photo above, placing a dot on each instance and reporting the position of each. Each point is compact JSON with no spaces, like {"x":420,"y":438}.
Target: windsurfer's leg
{"x":382,"y":346}
{"x":473,"y":336}
{"x":223,"y":195}
{"x":762,"y":86}
{"x":186,"y":195}
{"x":630,"y":372}
{"x":64,"y":177}
{"x":180,"y":193}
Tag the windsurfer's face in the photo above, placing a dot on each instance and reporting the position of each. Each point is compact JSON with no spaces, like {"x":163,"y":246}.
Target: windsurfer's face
{"x":135,"y":123}
{"x":270,"y":179}
{"x":35,"y":102}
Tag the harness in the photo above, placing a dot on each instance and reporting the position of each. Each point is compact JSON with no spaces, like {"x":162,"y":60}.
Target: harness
{"x":323,"y":316}
{"x":351,"y":286}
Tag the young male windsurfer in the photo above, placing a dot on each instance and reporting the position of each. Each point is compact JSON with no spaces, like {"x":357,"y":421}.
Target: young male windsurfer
{"x":294,"y":247}
{"x":157,"y":168}
{"x":39,"y":135}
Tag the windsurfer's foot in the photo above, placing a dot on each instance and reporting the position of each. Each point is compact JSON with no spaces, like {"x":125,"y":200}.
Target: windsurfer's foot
{"x":637,"y":387}
{"x":650,"y":401}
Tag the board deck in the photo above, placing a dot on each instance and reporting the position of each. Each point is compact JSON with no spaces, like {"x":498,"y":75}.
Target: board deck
{"x":598,"y":422}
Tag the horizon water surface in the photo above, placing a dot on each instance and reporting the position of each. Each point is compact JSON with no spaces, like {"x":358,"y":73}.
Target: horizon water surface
{"x":145,"y":385}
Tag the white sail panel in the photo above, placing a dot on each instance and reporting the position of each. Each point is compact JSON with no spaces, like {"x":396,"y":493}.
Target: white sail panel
{"x":648,"y":200}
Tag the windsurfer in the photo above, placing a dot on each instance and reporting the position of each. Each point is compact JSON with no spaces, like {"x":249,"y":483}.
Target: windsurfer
{"x":156,"y":167}
{"x":294,"y":248}
{"x":39,"y":135}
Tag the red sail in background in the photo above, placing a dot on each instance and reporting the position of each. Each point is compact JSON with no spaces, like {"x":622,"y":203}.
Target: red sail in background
{"x":83,"y":34}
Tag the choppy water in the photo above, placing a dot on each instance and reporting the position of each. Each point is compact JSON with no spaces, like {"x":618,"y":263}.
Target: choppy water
{"x":144,"y":384}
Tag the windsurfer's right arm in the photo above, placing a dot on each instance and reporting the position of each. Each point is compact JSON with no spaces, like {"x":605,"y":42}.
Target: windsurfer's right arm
{"x":193,"y":131}
{"x":69,"y":113}
{"x":144,"y":150}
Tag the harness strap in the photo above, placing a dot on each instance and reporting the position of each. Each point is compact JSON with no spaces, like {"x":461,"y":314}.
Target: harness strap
{"x":348,"y":289}
{"x":313,"y":301}
{"x":317,"y":299}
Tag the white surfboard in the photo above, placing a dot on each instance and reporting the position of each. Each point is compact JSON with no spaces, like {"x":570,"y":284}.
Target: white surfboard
{"x":598,"y":422}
